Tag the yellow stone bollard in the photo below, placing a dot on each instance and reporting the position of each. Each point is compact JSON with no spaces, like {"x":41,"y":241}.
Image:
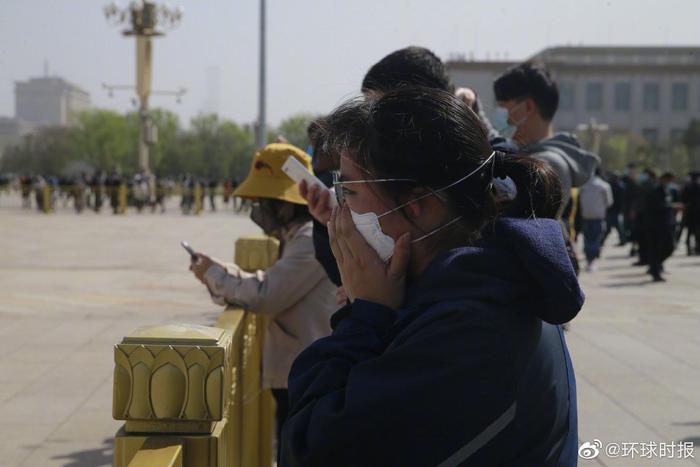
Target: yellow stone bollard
{"x":160,"y":452}
{"x":192,"y":396}
{"x":46,"y":199}
{"x":121,"y":209}
{"x":198,"y":198}
{"x":174,"y":379}
{"x":251,"y":254}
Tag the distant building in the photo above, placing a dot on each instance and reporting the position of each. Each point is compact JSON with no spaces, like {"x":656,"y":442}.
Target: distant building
{"x":49,"y":101}
{"x":12,"y":131}
{"x":651,"y":91}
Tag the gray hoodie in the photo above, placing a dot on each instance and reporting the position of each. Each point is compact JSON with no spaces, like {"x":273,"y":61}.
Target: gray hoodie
{"x":573,"y":164}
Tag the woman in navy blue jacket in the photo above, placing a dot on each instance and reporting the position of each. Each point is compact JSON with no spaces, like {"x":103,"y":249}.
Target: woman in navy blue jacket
{"x":450,"y":351}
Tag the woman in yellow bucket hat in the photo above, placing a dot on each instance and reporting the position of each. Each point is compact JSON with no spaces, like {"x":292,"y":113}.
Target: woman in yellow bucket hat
{"x":294,"y":292}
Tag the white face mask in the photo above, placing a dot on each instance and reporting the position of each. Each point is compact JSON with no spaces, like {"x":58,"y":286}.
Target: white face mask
{"x":371,"y":230}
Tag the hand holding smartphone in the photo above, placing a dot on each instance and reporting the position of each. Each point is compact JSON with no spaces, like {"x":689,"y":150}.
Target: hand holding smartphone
{"x":297,"y":172}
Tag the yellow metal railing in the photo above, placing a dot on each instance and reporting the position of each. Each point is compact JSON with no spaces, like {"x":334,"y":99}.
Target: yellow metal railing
{"x":192,"y":396}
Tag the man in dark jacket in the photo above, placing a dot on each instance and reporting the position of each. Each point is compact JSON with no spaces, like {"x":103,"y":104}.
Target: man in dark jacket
{"x":615,"y":219}
{"x":378,"y":381}
{"x":691,"y":213}
{"x":660,"y":224}
{"x":631,"y":195}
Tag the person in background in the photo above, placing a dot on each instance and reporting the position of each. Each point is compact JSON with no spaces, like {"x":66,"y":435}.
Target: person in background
{"x":471,"y":100}
{"x":294,"y":292}
{"x":631,"y":186}
{"x":25,"y":183}
{"x":690,"y":196}
{"x":410,"y":66}
{"x":528,"y":98}
{"x":212,"y":185}
{"x":38,"y":184}
{"x":187,"y":200}
{"x":228,"y":190}
{"x":161,"y":194}
{"x":140,"y":190}
{"x":594,"y":197}
{"x":97,"y":186}
{"x":80,"y":186}
{"x":662,"y":204}
{"x":615,"y":218}
{"x":646,"y":182}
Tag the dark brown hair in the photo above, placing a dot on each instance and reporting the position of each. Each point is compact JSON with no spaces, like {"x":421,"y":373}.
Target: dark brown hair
{"x":430,"y":136}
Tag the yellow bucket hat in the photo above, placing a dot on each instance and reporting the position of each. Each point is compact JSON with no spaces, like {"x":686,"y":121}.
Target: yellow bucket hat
{"x":266,"y":178}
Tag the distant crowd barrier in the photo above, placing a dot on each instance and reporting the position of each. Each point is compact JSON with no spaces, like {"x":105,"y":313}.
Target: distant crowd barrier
{"x":192,"y":395}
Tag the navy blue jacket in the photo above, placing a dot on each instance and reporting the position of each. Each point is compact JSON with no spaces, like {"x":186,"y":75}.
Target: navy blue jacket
{"x":472,"y":371}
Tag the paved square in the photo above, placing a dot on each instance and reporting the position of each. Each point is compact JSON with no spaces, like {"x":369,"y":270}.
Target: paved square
{"x":72,"y":286}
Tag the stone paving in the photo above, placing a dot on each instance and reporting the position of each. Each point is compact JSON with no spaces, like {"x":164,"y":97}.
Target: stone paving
{"x":72,"y":286}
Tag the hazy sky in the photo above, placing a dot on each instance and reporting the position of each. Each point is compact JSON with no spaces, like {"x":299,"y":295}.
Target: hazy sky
{"x":318,"y":51}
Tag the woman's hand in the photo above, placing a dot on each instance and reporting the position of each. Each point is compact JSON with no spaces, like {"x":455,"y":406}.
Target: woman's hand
{"x":318,"y":199}
{"x":364,"y":274}
{"x":340,"y":296}
{"x":200,"y":265}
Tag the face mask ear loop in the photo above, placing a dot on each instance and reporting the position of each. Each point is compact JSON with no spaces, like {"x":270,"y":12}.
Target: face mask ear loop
{"x":436,"y":230}
{"x":493,"y":153}
{"x":493,"y":171}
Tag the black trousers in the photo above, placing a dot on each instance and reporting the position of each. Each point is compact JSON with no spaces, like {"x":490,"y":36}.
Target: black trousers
{"x":693,"y":232}
{"x":660,"y":243}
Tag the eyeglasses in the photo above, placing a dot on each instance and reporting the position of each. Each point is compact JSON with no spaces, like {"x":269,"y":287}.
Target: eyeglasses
{"x":338,"y":184}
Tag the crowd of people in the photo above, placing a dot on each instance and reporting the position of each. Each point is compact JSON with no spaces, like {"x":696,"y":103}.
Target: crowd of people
{"x":117,"y":192}
{"x":648,"y":211}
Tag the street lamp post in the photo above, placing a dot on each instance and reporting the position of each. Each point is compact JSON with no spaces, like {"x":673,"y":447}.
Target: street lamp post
{"x":595,"y":131}
{"x":261,"y":136}
{"x":143,"y":17}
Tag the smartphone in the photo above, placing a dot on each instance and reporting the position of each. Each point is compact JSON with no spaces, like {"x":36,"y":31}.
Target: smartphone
{"x":297,"y":172}
{"x":189,"y":249}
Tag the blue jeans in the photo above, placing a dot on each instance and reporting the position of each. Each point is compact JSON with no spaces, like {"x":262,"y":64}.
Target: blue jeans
{"x":593,"y":233}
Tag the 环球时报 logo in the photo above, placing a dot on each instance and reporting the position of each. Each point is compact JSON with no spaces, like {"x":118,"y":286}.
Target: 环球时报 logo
{"x":637,"y":450}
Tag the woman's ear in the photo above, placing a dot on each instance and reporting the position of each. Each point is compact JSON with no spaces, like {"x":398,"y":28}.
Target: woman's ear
{"x":414,"y":209}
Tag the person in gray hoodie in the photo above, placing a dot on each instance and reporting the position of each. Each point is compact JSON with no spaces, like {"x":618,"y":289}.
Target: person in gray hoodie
{"x":527,"y":98}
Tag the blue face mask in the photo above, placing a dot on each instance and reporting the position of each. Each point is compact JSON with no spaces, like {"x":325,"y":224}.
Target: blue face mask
{"x":501,"y":123}
{"x":643,"y":178}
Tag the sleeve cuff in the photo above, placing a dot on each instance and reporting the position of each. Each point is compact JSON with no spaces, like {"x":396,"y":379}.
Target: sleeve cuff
{"x":215,"y":278}
{"x":363,"y":314}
